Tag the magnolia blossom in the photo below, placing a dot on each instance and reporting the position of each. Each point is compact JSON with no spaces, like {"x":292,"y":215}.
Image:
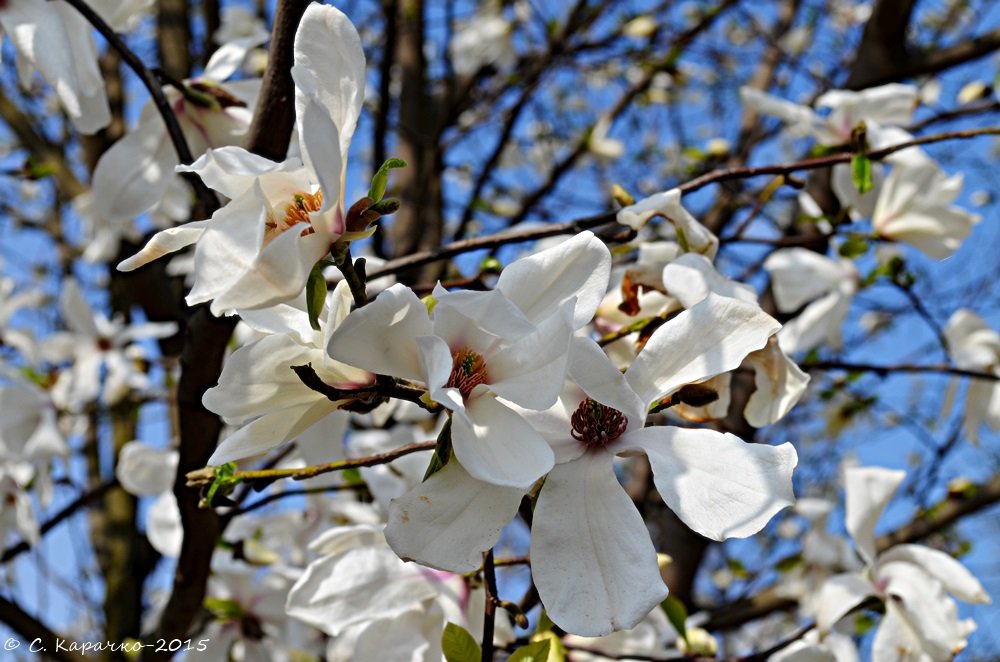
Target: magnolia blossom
{"x":914,"y":206}
{"x":921,"y":620}
{"x":692,"y":236}
{"x":101,"y":345}
{"x":57,"y":41}
{"x":259,"y":392}
{"x":480,"y":351}
{"x":375,"y":607}
{"x":882,"y":109}
{"x":975,"y":346}
{"x":137,"y":171}
{"x":283,"y":217}
{"x":800,"y":277}
{"x":592,"y":560}
{"x":886,"y":105}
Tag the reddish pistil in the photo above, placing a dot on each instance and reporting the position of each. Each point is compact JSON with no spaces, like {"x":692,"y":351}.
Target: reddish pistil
{"x":468,"y":371}
{"x":596,"y":425}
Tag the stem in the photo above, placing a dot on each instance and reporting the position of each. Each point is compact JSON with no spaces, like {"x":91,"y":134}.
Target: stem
{"x":303,"y":473}
{"x":355,"y":277}
{"x":884,"y":370}
{"x":384,"y":387}
{"x":149,"y":81}
{"x":489,"y":605}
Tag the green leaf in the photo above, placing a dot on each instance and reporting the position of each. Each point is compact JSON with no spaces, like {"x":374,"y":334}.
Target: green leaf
{"x":459,"y":646}
{"x":861,"y":173}
{"x":316,"y":293}
{"x":223,"y":483}
{"x":352,"y":476}
{"x":442,"y":451}
{"x":381,"y":178}
{"x":789,"y":563}
{"x":855,"y":246}
{"x":224,"y":609}
{"x":677,"y":615}
{"x":536,"y":652}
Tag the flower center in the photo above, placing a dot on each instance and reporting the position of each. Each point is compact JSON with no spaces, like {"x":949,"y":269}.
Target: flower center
{"x":596,"y":425}
{"x":467,"y":372}
{"x":296,"y":211}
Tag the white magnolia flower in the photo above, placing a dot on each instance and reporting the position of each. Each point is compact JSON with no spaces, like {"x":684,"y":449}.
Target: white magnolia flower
{"x":480,"y":351}
{"x":376,"y":607}
{"x":259,"y":392}
{"x":101,"y":345}
{"x":921,"y":620}
{"x":135,"y":174}
{"x":592,"y":560}
{"x":975,"y":346}
{"x":799,"y":277}
{"x":57,"y":41}
{"x":889,"y":105}
{"x":915,"y":206}
{"x":259,"y":249}
{"x":691,"y":235}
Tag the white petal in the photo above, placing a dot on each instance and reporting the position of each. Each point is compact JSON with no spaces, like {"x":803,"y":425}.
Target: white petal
{"x":497,"y":446}
{"x":270,"y":431}
{"x":868,"y":492}
{"x":539,"y":284}
{"x":591,"y":557}
{"x":839,"y":595}
{"x":163,"y":526}
{"x":381,"y":337}
{"x":135,"y":172}
{"x":163,"y":242}
{"x":531,"y":370}
{"x":231,"y":171}
{"x":819,"y":323}
{"x":716,"y":483}
{"x":779,"y":384}
{"x":448,"y":521}
{"x":954,"y":576}
{"x":360,"y":585}
{"x":801,"y":120}
{"x":799,"y":275}
{"x":691,"y":277}
{"x":711,"y":338}
{"x":414,"y":636}
{"x":145,"y":471}
{"x":328,"y":46}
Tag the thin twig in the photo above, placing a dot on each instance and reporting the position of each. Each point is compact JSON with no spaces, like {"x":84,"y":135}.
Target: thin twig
{"x":884,"y":370}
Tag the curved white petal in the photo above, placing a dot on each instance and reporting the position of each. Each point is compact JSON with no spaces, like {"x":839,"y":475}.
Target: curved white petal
{"x":163,"y":526}
{"x":531,"y":370}
{"x":799,"y":275}
{"x":591,"y":557}
{"x":497,"y":446}
{"x":719,"y":485}
{"x":135,"y":172}
{"x":593,"y":371}
{"x":270,"y":431}
{"x":839,"y":595}
{"x":779,"y":385}
{"x":327,"y":48}
{"x":539,"y":284}
{"x":145,"y":471}
{"x":711,"y":338}
{"x":362,"y":584}
{"x":954,"y":577}
{"x":163,"y":242}
{"x":868,"y":492}
{"x":819,"y":323}
{"x":381,"y":337}
{"x":450,"y":520}
{"x":231,"y":170}
{"x":692,"y":277}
